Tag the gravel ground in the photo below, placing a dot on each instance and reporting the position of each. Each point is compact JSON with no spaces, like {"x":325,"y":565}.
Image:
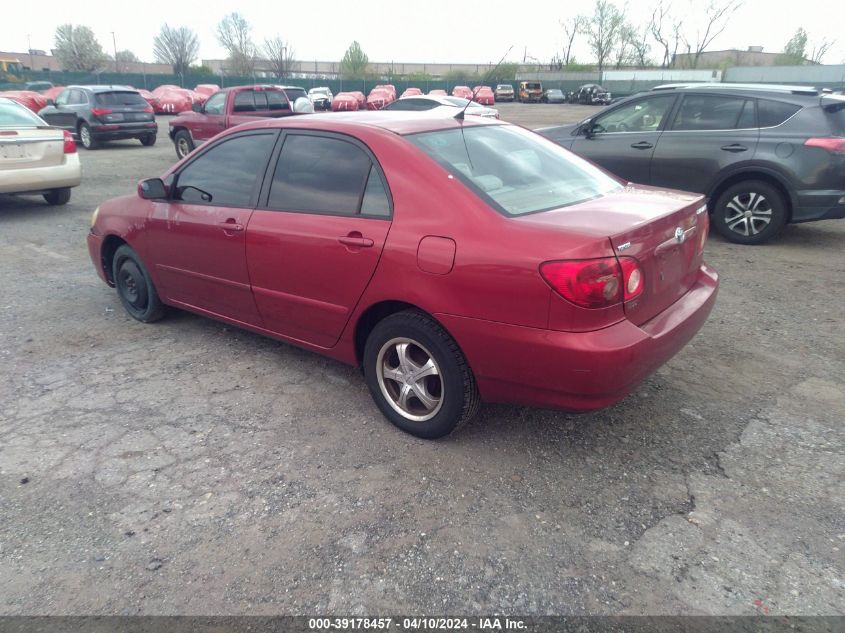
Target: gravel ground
{"x":188,"y":467}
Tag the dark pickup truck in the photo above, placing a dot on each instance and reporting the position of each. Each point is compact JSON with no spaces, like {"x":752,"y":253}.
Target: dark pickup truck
{"x":232,"y":106}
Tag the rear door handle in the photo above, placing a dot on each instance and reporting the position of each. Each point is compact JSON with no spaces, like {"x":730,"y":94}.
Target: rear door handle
{"x":642,"y":145}
{"x":231,"y":225}
{"x":734,"y":147}
{"x":355,"y":240}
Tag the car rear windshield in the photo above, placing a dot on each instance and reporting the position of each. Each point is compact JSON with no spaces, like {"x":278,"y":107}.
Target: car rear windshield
{"x":532,"y":86}
{"x":125,"y":98}
{"x":295,"y":93}
{"x":14,"y":115}
{"x":514,"y":170}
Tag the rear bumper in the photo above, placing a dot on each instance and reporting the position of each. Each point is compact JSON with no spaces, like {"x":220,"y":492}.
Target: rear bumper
{"x":819,"y":205}
{"x":37,"y":179}
{"x":116,"y":131}
{"x":578,"y":371}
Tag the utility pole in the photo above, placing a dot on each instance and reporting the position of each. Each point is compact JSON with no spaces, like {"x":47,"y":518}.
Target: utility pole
{"x":114,"y":42}
{"x":29,"y":44}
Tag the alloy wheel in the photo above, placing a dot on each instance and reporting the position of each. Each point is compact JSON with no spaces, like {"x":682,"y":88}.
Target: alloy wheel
{"x":410,"y":379}
{"x":748,"y":213}
{"x":182,"y":145}
{"x":85,"y":136}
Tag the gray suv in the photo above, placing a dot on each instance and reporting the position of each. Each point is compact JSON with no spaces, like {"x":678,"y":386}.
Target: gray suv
{"x":764,"y":155}
{"x":94,"y":114}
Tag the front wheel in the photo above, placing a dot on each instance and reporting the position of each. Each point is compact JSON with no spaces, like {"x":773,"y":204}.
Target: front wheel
{"x":418,"y":375}
{"x":184,"y":143}
{"x":750,"y":212}
{"x":134,"y":286}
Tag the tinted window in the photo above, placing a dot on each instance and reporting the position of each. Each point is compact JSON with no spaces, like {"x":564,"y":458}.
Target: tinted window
{"x":515,"y":170}
{"x":63,"y":98}
{"x":77,"y":97}
{"x":276,"y":101}
{"x":319,"y":174}
{"x":14,"y":115}
{"x":747,"y":118}
{"x":226,"y":174}
{"x":412,"y":104}
{"x":643,"y":115}
{"x":375,"y":200}
{"x":771,"y":113}
{"x":244,"y":102}
{"x":119,"y":99}
{"x":216,"y":103}
{"x":295,"y":93}
{"x":708,"y":112}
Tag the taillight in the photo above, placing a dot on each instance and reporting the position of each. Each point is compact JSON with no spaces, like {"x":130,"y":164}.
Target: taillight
{"x":101,"y":111}
{"x":148,"y":109}
{"x":595,"y":283}
{"x":70,"y":144}
{"x":829,"y":143}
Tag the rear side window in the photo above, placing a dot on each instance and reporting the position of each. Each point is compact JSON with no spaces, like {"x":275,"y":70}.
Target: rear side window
{"x":322,"y":175}
{"x":709,"y":112}
{"x":276,"y":101}
{"x":244,"y":101}
{"x":119,"y":99}
{"x":14,"y":115}
{"x":772,"y":113}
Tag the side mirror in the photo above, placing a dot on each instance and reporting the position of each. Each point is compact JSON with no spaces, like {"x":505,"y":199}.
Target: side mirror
{"x":50,"y":102}
{"x":197,"y":107}
{"x":587,"y":128}
{"x":152,"y":189}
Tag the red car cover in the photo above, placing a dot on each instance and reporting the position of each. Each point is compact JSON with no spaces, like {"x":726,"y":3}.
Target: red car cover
{"x":52,"y":93}
{"x":173,"y":99}
{"x":206,"y":89}
{"x":344,"y":102}
{"x":362,"y":100}
{"x":32,"y":100}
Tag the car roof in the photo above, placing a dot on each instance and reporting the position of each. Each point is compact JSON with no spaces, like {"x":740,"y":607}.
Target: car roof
{"x":104,"y":88}
{"x":806,"y":91}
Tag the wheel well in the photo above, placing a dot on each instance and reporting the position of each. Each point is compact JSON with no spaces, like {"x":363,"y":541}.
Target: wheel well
{"x":370,"y":318}
{"x":110,"y":245}
{"x":750,"y":175}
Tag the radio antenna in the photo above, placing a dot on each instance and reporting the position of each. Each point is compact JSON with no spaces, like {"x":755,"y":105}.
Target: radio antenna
{"x":460,"y":115}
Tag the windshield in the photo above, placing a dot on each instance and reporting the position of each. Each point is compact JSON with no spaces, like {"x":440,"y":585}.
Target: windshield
{"x":14,"y":115}
{"x":120,"y":99}
{"x":295,"y":93}
{"x":514,"y":170}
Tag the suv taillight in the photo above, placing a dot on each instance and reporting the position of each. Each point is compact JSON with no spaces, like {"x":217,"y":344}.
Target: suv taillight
{"x":829,"y":143}
{"x":595,"y":283}
{"x":101,"y":111}
{"x":70,"y":144}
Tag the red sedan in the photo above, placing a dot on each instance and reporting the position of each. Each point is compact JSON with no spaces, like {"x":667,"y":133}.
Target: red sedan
{"x":484,"y":95}
{"x":456,"y":261}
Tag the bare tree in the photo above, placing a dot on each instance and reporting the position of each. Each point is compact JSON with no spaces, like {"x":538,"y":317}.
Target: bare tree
{"x":666,"y":31}
{"x":572,"y":28}
{"x":640,"y":48}
{"x":716,"y":17}
{"x":77,"y":48}
{"x":820,"y":50}
{"x":178,"y":47}
{"x":280,"y":54}
{"x":235,"y":35}
{"x":625,"y":48}
{"x":603,"y":30}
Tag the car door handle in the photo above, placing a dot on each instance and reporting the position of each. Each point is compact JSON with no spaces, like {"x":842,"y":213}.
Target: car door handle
{"x":231,"y":225}
{"x":734,"y":147}
{"x":642,"y":145}
{"x":355,"y":240}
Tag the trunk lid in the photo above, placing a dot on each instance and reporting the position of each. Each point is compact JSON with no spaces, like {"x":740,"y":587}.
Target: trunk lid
{"x":31,"y":147}
{"x":661,"y":229}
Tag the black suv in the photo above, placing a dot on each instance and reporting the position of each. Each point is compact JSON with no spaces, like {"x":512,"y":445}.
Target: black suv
{"x":764,"y":155}
{"x":590,"y":94}
{"x":102,"y":113}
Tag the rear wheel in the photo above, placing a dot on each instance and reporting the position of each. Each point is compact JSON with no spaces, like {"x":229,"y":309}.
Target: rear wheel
{"x":184,"y":143}
{"x":750,"y":212}
{"x":134,"y":286}
{"x":86,"y":137}
{"x":57,"y":197}
{"x":148,"y":140}
{"x":418,"y":375}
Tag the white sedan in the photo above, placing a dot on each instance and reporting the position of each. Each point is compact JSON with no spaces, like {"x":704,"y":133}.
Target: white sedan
{"x":431,"y":102}
{"x":34,"y":157}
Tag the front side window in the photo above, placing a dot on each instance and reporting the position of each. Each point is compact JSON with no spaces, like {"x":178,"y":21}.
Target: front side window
{"x":643,"y":115}
{"x":318,"y":174}
{"x":77,"y":97}
{"x":226,"y":174}
{"x":216,"y":103}
{"x":514,"y":170}
{"x":709,"y":112}
{"x":63,"y":97}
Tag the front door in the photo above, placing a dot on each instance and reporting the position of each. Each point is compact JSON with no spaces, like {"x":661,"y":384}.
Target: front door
{"x":622,"y":139}
{"x":213,"y":120}
{"x":314,"y":246}
{"x":197,"y":239}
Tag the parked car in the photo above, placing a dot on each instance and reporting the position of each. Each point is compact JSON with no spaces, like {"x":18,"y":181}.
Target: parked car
{"x":344,"y":102}
{"x":298,"y":99}
{"x":427,"y":102}
{"x":321,"y":98}
{"x":411,"y":92}
{"x":378,"y":99}
{"x":530,"y":91}
{"x":173,"y":99}
{"x":227,"y":108}
{"x":465,"y":92}
{"x":39,"y":86}
{"x":35,"y":101}
{"x":504,"y":92}
{"x":34,"y":157}
{"x":437,"y":92}
{"x":763,"y":155}
{"x":362,"y":99}
{"x":378,"y":241}
{"x":151,"y":99}
{"x":591,"y":94}
{"x":206,"y":89}
{"x":95,"y":114}
{"x":483,"y":95}
{"x":51,"y":93}
{"x":553,"y":95}
{"x":391,"y":89}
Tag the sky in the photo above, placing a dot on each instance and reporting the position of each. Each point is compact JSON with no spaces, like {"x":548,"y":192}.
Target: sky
{"x":458,"y":31}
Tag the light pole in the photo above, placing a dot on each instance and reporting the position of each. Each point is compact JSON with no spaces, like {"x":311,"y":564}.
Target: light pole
{"x":29,"y":44}
{"x":114,"y":43}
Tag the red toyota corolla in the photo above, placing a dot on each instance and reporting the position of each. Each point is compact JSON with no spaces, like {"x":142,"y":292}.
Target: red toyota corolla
{"x":456,"y":261}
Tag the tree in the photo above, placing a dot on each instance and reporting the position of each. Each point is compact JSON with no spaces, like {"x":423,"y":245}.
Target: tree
{"x":354,"y":63}
{"x":280,"y":54}
{"x":572,"y":28}
{"x":666,"y":31}
{"x":625,"y":48}
{"x":716,"y":17}
{"x":820,"y":50}
{"x":235,"y":35}
{"x":640,"y":48}
{"x":795,"y":51}
{"x":124,"y":57}
{"x":77,"y":48}
{"x":178,"y":47}
{"x":603,"y":30}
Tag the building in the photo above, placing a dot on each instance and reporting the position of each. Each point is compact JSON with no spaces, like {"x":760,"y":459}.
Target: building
{"x":753,"y":56}
{"x":40,"y":61}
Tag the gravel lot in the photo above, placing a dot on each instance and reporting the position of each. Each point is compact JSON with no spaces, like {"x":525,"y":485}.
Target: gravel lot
{"x":190,"y":468}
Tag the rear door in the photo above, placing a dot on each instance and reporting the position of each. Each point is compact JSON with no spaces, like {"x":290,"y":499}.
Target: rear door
{"x":710,"y":134}
{"x":313,"y":245}
{"x":622,"y":139}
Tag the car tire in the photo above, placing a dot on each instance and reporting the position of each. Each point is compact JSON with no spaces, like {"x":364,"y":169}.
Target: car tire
{"x":134,"y":286}
{"x":183,"y":143}
{"x":86,"y":137}
{"x":57,"y":197}
{"x":430,"y":406}
{"x":750,"y":212}
{"x":148,"y":140}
